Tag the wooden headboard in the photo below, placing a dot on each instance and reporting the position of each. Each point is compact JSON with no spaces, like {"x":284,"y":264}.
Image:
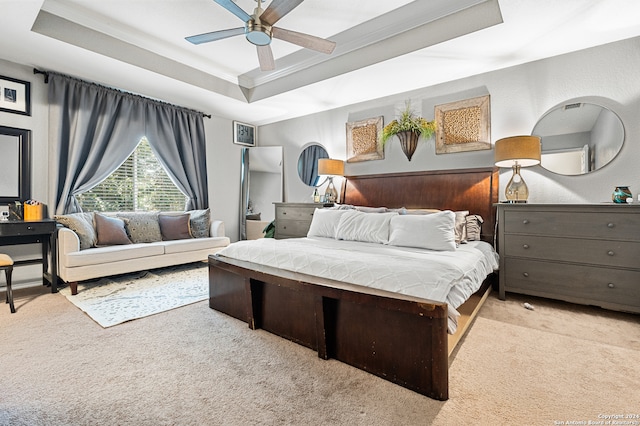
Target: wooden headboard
{"x":475,"y":190}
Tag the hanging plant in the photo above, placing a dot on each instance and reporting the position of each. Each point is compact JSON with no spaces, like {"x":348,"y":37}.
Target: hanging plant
{"x":409,"y":127}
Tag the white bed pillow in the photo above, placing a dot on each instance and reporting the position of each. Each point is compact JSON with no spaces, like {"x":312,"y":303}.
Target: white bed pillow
{"x":432,"y":231}
{"x":366,"y":227}
{"x":325,"y":222}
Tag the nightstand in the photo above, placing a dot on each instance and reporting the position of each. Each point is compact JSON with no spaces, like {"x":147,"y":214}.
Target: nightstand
{"x":293,"y":219}
{"x":587,"y":254}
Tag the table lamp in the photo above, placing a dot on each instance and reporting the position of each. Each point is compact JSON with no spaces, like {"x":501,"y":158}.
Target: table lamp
{"x":330,"y":168}
{"x":516,"y":152}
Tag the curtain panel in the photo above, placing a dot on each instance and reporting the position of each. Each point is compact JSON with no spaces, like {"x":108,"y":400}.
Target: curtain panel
{"x":94,"y":129}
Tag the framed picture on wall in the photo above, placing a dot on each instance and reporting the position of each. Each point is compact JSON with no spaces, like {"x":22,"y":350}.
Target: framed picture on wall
{"x":15,"y":96}
{"x":244,"y":134}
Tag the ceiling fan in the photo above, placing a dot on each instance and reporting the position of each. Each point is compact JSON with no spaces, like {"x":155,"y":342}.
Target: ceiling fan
{"x":259,"y":30}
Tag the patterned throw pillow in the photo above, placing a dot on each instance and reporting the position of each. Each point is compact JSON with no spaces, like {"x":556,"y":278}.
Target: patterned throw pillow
{"x":474,"y":227}
{"x":200,"y":223}
{"x":82,"y":225}
{"x":143,"y":227}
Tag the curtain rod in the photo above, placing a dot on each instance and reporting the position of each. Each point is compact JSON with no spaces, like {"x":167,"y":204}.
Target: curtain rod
{"x":46,"y":81}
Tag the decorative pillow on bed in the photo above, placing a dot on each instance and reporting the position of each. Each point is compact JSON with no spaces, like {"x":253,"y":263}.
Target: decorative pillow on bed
{"x":365,"y":227}
{"x":200,"y":223}
{"x":325,"y":222}
{"x":474,"y":227}
{"x":432,"y":231}
{"x":420,"y":211}
{"x":365,"y":209}
{"x":461,"y":226}
{"x":110,"y":230}
{"x":174,"y":226}
{"x":82,"y":225}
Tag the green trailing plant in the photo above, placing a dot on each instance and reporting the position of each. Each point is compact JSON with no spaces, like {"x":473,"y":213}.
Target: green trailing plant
{"x":408,"y":121}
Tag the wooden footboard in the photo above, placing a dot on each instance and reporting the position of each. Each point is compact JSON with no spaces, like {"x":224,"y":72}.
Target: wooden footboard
{"x":402,"y":339}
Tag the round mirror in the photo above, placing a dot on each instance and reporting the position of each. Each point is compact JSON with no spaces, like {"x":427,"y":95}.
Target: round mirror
{"x":579,"y":138}
{"x":308,"y":164}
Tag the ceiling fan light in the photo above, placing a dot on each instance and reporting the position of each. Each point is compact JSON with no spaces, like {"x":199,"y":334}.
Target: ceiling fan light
{"x":258,"y":34}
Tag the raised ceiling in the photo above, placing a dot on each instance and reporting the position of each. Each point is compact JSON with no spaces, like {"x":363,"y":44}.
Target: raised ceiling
{"x":383,"y":47}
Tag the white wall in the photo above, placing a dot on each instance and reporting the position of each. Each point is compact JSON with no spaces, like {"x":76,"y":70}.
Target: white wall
{"x":520,"y":95}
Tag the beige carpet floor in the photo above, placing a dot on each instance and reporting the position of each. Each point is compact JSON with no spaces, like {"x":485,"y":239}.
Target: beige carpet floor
{"x":194,"y":366}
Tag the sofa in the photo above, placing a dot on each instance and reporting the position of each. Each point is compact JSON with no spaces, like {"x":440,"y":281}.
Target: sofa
{"x":94,"y":245}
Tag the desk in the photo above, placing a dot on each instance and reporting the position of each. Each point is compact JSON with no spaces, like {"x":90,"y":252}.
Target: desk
{"x":33,"y":232}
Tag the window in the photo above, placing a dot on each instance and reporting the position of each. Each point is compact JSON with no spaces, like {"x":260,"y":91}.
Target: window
{"x":140,"y":183}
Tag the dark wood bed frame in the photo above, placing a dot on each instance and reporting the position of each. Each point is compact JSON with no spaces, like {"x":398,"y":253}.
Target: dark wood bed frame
{"x":400,"y":338}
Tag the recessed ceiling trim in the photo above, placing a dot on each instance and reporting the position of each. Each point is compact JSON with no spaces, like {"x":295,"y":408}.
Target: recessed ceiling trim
{"x":466,"y":21}
{"x":398,"y":21}
{"x":59,"y":28}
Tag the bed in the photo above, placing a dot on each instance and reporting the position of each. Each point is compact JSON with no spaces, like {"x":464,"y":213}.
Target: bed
{"x":399,"y":337}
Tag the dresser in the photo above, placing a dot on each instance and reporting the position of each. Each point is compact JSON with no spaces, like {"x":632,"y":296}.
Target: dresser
{"x":293,"y":219}
{"x":587,"y":254}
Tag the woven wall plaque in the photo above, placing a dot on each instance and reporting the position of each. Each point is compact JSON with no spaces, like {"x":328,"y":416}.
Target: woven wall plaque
{"x":463,"y":126}
{"x":363,"y":140}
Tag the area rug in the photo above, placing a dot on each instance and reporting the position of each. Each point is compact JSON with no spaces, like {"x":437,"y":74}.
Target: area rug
{"x":115,"y":300}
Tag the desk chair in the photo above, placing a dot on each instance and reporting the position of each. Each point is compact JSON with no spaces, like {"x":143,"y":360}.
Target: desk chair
{"x":6,"y":264}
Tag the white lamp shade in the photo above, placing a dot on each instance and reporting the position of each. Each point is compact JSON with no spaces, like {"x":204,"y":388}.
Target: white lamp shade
{"x":525,"y":150}
{"x":330,"y":167}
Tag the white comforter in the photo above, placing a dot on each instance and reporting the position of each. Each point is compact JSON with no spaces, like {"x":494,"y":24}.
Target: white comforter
{"x":442,"y":276}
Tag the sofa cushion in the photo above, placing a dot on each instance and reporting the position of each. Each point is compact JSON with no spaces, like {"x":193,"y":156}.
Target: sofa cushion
{"x":110,"y":230}
{"x":181,"y":246}
{"x":200,"y":223}
{"x":174,"y":226}
{"x":143,"y":227}
{"x":105,"y":255}
{"x":82,"y":225}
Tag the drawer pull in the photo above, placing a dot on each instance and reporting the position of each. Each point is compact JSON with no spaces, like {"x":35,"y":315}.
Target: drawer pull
{"x":610,"y":253}
{"x":611,"y":285}
{"x":611,"y":225}
{"x":525,"y":246}
{"x":525,"y":274}
{"x":284,"y":213}
{"x":526,"y":221}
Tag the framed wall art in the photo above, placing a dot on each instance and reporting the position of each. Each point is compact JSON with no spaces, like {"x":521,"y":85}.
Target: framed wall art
{"x":15,"y":173}
{"x":463,"y":126}
{"x":15,"y":96}
{"x":363,"y":140}
{"x":244,"y":134}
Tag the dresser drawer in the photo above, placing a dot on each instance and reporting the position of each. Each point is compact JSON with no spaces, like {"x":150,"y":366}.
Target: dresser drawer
{"x":20,"y":228}
{"x":624,"y":254}
{"x":609,"y":225}
{"x":292,"y":228}
{"x":606,"y":287}
{"x":295,"y":213}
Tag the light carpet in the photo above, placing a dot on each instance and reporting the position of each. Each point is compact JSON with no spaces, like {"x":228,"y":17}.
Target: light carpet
{"x":114,"y":300}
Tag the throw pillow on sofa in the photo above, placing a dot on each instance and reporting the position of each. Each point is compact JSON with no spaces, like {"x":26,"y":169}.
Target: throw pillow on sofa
{"x":82,"y":225}
{"x":110,"y":230}
{"x":142,"y":227}
{"x":174,"y":226}
{"x":200,"y":223}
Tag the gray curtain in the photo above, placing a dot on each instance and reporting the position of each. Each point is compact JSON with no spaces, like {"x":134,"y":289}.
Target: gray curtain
{"x":93,"y":129}
{"x":177,"y":138}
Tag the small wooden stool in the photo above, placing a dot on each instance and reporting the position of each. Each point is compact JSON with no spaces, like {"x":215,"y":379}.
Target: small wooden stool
{"x":6,"y":264}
